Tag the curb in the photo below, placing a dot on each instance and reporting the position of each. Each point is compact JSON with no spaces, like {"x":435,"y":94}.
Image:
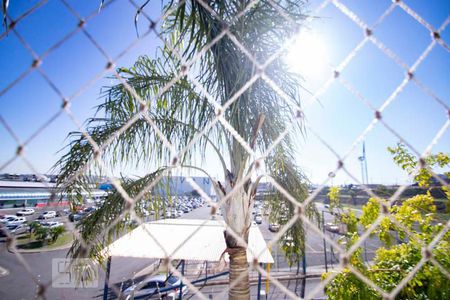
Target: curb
{"x":40,"y":250}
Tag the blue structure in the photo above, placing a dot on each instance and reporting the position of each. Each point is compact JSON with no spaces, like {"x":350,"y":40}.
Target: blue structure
{"x":178,"y":185}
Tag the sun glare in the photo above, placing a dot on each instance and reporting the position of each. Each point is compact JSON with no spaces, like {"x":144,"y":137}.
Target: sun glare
{"x":308,"y":54}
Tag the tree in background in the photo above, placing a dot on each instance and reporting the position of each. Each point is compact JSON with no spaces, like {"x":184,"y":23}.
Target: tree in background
{"x":55,"y":232}
{"x":201,"y":82}
{"x":382,"y":191}
{"x":404,"y":242}
{"x":46,"y":234}
{"x":40,"y":232}
{"x":334,"y":198}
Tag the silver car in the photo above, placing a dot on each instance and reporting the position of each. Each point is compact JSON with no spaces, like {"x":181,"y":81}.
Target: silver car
{"x":274,"y":227}
{"x":15,"y":229}
{"x":152,"y":286}
{"x":16,"y":221}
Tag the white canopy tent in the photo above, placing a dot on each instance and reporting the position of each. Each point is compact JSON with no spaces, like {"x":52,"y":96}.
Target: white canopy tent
{"x":184,"y":239}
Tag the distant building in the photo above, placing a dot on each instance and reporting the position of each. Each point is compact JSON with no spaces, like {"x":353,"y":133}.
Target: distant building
{"x":18,"y":190}
{"x":265,"y":188}
{"x":32,"y":196}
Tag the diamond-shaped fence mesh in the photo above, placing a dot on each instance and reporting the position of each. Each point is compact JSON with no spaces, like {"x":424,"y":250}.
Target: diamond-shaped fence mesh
{"x":334,"y":256}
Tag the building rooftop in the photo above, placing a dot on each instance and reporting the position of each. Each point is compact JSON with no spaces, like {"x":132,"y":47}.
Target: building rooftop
{"x":200,"y":240}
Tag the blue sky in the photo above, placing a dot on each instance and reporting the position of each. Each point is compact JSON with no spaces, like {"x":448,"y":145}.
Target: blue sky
{"x":338,"y":117}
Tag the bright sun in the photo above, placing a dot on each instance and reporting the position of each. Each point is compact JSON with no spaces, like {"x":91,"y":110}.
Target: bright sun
{"x":308,"y":54}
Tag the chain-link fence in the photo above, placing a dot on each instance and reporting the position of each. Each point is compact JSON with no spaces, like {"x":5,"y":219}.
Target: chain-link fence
{"x":148,"y":23}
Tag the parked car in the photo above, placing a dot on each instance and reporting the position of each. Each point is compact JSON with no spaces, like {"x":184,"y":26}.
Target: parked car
{"x":48,"y":215}
{"x":336,"y":228}
{"x":51,"y":224}
{"x":258,"y":219}
{"x":16,"y":221}
{"x":74,"y":217}
{"x":332,"y":227}
{"x":151,"y":285}
{"x":90,"y":209}
{"x":25,"y":212}
{"x":6,"y":218}
{"x":62,"y":213}
{"x":18,"y":229}
{"x":274,"y":227}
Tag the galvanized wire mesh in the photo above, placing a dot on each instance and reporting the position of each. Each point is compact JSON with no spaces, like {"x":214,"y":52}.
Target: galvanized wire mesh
{"x":335,"y":71}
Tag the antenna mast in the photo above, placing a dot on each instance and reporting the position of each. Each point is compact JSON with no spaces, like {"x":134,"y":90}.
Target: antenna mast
{"x":363,"y":160}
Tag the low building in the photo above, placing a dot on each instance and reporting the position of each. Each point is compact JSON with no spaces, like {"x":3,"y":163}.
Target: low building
{"x":35,"y":194}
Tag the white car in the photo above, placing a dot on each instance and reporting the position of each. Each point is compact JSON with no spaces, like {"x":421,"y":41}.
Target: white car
{"x":25,"y":212}
{"x":18,"y":229}
{"x":16,"y":221}
{"x":258,"y":219}
{"x":51,"y":224}
{"x":48,"y":215}
{"x":332,"y":227}
{"x":151,"y":286}
{"x":6,"y":218}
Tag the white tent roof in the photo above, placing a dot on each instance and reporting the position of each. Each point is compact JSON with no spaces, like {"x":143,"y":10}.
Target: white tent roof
{"x":184,"y":239}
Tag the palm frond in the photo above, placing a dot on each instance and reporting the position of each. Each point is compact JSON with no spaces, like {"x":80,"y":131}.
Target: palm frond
{"x":110,"y":215}
{"x":225,"y":69}
{"x":284,"y":171}
{"x":178,"y":112}
{"x":5,"y":4}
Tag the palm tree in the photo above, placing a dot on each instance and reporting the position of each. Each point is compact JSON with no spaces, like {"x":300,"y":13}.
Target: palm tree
{"x":205,"y":80}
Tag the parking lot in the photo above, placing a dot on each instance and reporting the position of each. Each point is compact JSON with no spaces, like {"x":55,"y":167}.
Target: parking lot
{"x":125,"y":268}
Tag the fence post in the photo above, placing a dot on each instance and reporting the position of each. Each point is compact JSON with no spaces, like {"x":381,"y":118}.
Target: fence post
{"x":259,"y":283}
{"x":181,"y":283}
{"x":267,"y":278}
{"x":302,"y":292}
{"x":108,"y":270}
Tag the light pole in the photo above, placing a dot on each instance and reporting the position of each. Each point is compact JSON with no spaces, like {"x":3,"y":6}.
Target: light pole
{"x":365,"y":180}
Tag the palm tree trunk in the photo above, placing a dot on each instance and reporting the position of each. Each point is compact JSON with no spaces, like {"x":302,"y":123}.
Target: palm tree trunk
{"x":239,"y":284}
{"x":237,"y":216}
{"x":238,"y":266}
